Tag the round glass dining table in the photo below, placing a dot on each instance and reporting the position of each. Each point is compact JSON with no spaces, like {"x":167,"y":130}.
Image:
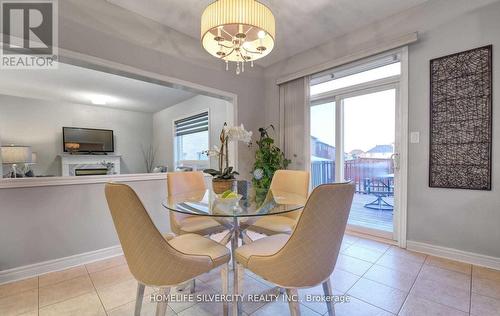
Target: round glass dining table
{"x":236,"y":216}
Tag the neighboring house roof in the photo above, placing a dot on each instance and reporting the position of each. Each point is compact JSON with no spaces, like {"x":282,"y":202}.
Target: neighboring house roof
{"x":381,"y":149}
{"x":315,"y":140}
{"x":356,"y":152}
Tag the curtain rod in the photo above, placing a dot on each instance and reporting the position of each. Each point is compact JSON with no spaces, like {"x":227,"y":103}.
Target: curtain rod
{"x":377,"y":49}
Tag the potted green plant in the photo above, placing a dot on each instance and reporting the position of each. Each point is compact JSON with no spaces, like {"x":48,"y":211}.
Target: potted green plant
{"x":268,"y":159}
{"x":225,"y":177}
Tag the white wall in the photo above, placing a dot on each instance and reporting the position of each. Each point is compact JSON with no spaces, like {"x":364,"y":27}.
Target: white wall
{"x":38,"y":123}
{"x":459,"y":219}
{"x":220,"y":111}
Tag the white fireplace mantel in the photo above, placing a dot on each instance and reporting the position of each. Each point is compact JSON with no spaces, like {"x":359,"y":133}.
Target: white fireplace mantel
{"x":71,"y":162}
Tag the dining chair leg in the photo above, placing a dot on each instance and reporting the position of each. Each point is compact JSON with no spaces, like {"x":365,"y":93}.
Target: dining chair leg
{"x":278,"y":291}
{"x":245,"y":239}
{"x":161,"y":306}
{"x":293,"y":304}
{"x":182,"y":287}
{"x":327,"y":289}
{"x":227,"y":237}
{"x":242,"y":239}
{"x":238,"y":288}
{"x":138,"y":299}
{"x":192,"y":287}
{"x":224,"y":275}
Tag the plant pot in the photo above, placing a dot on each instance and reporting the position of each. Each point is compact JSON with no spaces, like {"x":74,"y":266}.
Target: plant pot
{"x":220,"y":186}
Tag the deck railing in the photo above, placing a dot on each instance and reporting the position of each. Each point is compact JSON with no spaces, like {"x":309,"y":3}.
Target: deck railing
{"x":364,"y":172}
{"x":322,"y":172}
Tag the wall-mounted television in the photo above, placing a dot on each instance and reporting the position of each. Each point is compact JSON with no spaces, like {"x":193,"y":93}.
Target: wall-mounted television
{"x":88,"y":140}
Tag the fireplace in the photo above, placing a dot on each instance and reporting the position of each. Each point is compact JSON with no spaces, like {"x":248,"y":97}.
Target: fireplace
{"x":91,"y":172}
{"x":98,"y":164}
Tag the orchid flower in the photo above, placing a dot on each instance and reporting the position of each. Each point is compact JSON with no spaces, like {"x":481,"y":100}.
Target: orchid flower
{"x":228,"y":134}
{"x":238,"y":133}
{"x":214,"y":152}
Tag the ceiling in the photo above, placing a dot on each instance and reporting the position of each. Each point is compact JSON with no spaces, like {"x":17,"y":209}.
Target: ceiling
{"x":300,"y":24}
{"x":83,"y":86}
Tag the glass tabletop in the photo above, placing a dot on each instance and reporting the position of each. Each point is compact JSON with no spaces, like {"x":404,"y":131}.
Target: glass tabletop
{"x":207,"y":203}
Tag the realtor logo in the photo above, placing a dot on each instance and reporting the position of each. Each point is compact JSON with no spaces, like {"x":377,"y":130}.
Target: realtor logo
{"x":29,"y":34}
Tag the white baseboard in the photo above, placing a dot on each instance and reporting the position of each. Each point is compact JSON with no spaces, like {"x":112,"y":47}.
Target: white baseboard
{"x":32,"y":270}
{"x":454,"y":254}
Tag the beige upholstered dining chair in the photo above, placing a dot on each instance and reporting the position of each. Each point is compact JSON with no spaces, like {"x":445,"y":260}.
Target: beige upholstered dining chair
{"x":288,"y":181}
{"x":307,"y":257}
{"x":156,"y":260}
{"x":179,"y":183}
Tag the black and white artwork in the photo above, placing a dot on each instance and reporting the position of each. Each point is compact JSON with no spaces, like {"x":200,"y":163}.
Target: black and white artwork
{"x":461,"y":120}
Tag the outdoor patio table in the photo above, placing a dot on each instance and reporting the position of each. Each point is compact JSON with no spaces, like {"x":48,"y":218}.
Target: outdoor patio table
{"x":387,"y":189}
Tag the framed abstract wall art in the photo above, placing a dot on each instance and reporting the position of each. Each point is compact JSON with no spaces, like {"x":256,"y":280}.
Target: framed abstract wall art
{"x":461,"y":120}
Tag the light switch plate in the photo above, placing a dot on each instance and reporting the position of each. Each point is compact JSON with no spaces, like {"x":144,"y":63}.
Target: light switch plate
{"x":415,"y":137}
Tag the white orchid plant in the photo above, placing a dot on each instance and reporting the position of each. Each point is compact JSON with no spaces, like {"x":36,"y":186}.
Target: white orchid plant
{"x":227,"y":135}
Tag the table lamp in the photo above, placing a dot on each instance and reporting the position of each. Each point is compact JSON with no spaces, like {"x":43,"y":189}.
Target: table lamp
{"x":13,"y":154}
{"x":33,"y":158}
{"x":28,"y":167}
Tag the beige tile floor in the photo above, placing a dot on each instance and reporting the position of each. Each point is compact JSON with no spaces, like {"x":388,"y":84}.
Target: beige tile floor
{"x":379,"y":279}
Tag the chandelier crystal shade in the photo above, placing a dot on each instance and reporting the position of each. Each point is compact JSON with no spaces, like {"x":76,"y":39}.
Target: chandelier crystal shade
{"x":238,"y":31}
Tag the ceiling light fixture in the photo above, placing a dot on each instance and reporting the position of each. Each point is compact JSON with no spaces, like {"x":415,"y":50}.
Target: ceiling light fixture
{"x":238,"y":31}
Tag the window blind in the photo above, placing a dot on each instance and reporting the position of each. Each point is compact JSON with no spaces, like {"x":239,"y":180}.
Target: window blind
{"x":191,"y":125}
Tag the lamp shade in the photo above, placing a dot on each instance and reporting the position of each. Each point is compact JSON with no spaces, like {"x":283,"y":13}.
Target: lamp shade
{"x":16,"y":154}
{"x":238,"y":30}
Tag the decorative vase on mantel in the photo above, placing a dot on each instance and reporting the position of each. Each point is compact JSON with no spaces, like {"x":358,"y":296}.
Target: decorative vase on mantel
{"x":221,"y":185}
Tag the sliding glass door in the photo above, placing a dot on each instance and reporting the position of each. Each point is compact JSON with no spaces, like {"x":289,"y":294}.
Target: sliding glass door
{"x":354,"y":138}
{"x":368,"y":152}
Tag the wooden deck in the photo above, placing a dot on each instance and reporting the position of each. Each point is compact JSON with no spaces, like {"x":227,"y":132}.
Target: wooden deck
{"x":365,"y":217}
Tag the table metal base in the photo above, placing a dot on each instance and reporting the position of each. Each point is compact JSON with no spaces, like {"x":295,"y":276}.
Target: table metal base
{"x":379,"y":204}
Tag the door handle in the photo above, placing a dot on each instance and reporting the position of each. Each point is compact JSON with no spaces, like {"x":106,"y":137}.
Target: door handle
{"x":395,"y":159}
